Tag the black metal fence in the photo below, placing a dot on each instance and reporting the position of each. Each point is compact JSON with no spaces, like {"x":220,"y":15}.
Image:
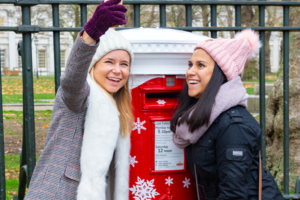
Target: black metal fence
{"x":28,"y":156}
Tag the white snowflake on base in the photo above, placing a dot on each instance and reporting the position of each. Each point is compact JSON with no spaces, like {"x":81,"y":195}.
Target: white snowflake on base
{"x":143,"y":190}
{"x":186,"y":183}
{"x":132,"y":160}
{"x":169,"y":181}
{"x":161,"y":102}
{"x":139,"y":125}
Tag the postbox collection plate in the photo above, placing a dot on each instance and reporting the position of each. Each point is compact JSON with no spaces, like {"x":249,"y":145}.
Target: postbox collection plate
{"x":166,"y":157}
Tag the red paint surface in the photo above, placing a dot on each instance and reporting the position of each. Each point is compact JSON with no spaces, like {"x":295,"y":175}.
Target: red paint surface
{"x":142,"y":145}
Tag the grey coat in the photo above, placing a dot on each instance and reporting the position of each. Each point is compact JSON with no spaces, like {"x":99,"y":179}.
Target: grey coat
{"x":57,"y":172}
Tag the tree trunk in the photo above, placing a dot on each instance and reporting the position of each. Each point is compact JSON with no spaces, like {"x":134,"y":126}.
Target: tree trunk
{"x":274,"y":115}
{"x":77,"y":21}
{"x":267,"y":52}
{"x":205,"y":18}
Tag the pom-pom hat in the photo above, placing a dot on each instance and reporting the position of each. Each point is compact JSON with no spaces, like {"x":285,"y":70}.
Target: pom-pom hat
{"x":231,"y":54}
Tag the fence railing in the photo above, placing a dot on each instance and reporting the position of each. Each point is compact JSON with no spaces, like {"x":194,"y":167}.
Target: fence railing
{"x":28,"y":157}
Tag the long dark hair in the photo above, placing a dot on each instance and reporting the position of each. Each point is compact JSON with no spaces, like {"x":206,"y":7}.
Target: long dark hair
{"x":202,"y":107}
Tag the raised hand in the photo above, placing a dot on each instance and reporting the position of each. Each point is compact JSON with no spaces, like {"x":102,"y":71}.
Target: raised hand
{"x":106,"y":15}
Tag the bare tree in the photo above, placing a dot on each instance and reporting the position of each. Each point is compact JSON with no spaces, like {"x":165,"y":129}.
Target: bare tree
{"x":249,"y":17}
{"x":175,"y":15}
{"x":149,"y":15}
{"x":129,"y":16}
{"x":70,"y":17}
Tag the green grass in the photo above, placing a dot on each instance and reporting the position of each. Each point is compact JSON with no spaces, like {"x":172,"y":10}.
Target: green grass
{"x":12,"y":167}
{"x":40,"y":77}
{"x":250,"y":90}
{"x":12,"y":161}
{"x":19,"y":114}
{"x":43,"y":85}
{"x":12,"y":186}
{"x":18,"y":98}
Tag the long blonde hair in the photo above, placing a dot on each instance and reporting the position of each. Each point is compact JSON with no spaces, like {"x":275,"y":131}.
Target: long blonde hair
{"x":123,"y":101}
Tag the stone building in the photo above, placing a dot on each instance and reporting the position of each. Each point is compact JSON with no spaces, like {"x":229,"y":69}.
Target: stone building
{"x":42,"y":43}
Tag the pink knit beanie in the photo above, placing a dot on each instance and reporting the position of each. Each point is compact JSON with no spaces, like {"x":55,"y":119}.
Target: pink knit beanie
{"x":231,"y":54}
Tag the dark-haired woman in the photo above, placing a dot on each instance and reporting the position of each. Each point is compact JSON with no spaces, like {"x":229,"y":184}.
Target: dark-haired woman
{"x":221,"y":138}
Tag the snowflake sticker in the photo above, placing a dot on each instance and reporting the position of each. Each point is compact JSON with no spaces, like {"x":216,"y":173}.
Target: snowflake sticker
{"x":132,"y":160}
{"x":161,"y":102}
{"x":169,"y":181}
{"x":139,"y":125}
{"x":186,"y":183}
{"x":143,"y":190}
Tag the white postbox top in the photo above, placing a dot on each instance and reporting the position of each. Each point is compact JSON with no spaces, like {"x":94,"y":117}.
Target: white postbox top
{"x":161,"y":51}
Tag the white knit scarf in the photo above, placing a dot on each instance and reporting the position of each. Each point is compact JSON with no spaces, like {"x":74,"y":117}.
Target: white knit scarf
{"x":101,"y":139}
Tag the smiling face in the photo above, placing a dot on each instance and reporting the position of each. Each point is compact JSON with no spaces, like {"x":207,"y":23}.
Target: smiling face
{"x":199,"y":73}
{"x":112,"y":71}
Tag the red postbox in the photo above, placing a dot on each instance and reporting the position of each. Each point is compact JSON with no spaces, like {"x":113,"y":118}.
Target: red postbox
{"x":158,"y":168}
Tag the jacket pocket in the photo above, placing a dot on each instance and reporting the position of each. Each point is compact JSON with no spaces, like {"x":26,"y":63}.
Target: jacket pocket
{"x":204,"y":153}
{"x":72,"y":173}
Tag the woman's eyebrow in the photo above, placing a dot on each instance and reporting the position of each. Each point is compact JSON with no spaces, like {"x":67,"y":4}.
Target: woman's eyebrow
{"x":201,"y":61}
{"x":110,"y":59}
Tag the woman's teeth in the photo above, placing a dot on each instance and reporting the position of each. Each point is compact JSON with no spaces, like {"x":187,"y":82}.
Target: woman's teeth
{"x":114,"y":79}
{"x":193,"y":82}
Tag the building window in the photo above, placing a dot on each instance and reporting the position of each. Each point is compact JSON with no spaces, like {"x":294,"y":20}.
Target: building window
{"x":41,"y":22}
{"x":42,"y":59}
{"x":62,"y":59}
{"x":2,"y":58}
{"x":20,"y":61}
{"x":1,"y":24}
{"x":19,"y":21}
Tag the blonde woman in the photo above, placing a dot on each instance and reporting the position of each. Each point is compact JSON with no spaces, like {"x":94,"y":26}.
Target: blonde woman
{"x":88,"y":143}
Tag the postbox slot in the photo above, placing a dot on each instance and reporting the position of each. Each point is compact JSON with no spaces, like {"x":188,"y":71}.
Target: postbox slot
{"x":163,"y":95}
{"x":160,"y":100}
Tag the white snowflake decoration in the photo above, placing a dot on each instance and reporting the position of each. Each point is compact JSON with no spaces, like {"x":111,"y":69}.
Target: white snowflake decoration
{"x":161,"y":102}
{"x":169,"y":181}
{"x":143,"y":190}
{"x":132,"y":160}
{"x":186,"y":183}
{"x":139,"y":125}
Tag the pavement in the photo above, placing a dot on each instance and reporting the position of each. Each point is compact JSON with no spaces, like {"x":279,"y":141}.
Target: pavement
{"x":49,"y":106}
{"x":37,"y":106}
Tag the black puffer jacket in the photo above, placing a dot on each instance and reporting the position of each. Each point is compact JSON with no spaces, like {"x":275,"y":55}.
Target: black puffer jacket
{"x":226,"y":159}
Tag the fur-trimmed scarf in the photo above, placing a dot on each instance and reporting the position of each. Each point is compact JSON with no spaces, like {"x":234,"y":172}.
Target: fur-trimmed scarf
{"x":230,"y":94}
{"x":102,"y":142}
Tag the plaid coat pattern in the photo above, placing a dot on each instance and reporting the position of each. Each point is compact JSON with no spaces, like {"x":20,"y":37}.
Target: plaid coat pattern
{"x":57,"y":172}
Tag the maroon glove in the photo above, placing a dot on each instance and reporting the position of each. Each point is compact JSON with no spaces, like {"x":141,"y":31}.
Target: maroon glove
{"x":106,"y":15}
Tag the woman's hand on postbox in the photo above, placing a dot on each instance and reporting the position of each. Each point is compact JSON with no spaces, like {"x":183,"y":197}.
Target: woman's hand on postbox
{"x":106,"y":15}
